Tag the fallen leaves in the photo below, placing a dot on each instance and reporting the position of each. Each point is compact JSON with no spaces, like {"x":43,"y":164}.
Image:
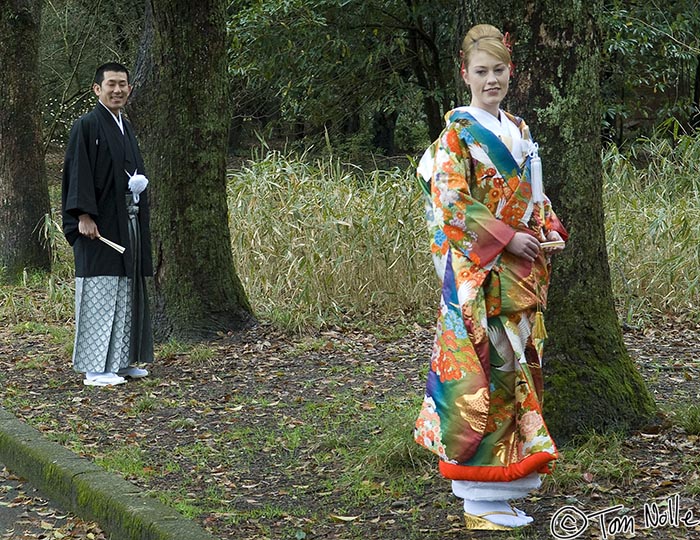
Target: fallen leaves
{"x":274,"y":474}
{"x":34,"y":517}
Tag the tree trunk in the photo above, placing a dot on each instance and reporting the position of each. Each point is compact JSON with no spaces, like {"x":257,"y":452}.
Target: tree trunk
{"x":591,"y":382}
{"x":177,"y":109}
{"x":383,"y":131}
{"x":695,"y":107}
{"x":428,"y":75}
{"x":24,"y":193}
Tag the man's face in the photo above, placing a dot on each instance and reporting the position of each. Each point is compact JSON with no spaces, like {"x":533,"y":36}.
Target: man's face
{"x":114,"y":90}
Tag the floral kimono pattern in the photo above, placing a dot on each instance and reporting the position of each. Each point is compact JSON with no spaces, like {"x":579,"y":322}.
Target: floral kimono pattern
{"x":482,"y":412}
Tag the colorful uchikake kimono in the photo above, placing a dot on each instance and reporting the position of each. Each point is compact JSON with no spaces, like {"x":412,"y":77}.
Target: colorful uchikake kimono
{"x":482,"y":412}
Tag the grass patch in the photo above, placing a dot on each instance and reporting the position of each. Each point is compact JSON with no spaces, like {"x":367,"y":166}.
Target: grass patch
{"x":652,"y":206}
{"x":59,"y":334}
{"x":39,"y":296}
{"x":267,"y":512}
{"x":689,"y":418}
{"x":145,"y":404}
{"x":312,"y":344}
{"x":597,"y":459}
{"x":337,"y":244}
{"x":378,"y":454}
{"x":182,"y":502}
{"x":130,"y":461}
{"x":37,"y":362}
{"x":197,"y":353}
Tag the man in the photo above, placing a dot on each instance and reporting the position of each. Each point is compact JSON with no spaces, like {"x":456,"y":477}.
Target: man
{"x":105,"y":220}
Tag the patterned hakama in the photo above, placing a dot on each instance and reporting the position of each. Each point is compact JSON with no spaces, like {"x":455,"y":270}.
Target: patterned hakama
{"x":102,"y":324}
{"x":112,"y":320}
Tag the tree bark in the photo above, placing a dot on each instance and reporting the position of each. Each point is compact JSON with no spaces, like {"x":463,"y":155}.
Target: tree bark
{"x":177,"y":109}
{"x":24,"y":193}
{"x":695,"y":107}
{"x":591,"y":382}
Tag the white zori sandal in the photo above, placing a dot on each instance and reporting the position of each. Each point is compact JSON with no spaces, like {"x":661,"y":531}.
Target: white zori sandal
{"x":102,"y":379}
{"x":133,"y":372}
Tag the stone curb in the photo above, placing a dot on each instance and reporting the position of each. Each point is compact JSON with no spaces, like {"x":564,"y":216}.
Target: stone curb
{"x":78,"y":485}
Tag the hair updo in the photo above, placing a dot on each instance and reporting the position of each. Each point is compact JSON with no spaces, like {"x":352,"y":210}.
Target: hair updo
{"x":487,"y":38}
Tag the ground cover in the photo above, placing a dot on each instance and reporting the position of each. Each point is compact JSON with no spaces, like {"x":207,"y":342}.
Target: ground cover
{"x":271,"y":435}
{"x":26,"y":515}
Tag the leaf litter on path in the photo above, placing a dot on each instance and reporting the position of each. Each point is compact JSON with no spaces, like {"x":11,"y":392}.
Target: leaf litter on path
{"x":253,"y":438}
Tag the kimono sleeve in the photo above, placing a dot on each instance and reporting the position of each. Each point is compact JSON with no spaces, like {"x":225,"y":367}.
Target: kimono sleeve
{"x":78,"y":187}
{"x":467,"y":224}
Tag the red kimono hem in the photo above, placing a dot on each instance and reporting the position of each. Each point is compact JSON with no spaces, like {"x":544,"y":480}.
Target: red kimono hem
{"x":539,"y":462}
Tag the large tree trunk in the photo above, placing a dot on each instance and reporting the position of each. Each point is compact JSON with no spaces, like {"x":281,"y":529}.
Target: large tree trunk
{"x":24,"y":194}
{"x":178,"y":110}
{"x":591,"y":382}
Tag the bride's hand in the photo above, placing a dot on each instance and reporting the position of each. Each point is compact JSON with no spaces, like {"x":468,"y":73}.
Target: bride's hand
{"x":554,"y":236}
{"x":524,"y":245}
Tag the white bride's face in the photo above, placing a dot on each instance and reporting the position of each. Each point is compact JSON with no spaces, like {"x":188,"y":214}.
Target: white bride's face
{"x":487,"y":77}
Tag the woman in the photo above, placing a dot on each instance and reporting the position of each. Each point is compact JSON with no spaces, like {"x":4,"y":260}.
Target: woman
{"x":493,"y":231}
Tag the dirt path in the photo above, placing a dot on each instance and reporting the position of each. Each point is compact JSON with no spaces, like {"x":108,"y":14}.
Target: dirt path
{"x":252,"y":435}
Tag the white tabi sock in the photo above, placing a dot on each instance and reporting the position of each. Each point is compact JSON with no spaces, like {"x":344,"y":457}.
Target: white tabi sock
{"x":499,"y":512}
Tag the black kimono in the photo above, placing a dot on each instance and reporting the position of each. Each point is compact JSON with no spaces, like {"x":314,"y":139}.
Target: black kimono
{"x":99,"y":160}
{"x":95,"y":182}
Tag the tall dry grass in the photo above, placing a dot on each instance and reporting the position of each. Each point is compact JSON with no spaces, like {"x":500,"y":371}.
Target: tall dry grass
{"x":652,"y":204}
{"x":322,"y":241}
{"x":317,"y":241}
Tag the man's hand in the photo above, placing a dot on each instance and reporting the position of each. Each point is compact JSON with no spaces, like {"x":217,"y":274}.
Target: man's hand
{"x":88,"y":227}
{"x":524,"y":245}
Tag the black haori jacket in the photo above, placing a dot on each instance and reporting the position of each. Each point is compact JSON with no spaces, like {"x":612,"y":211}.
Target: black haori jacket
{"x":95,"y":182}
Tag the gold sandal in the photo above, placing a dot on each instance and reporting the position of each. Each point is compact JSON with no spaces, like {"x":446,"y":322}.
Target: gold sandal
{"x":480,"y":523}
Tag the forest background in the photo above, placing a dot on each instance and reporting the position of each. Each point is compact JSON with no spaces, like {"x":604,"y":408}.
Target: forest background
{"x":352,"y":92}
{"x":330,"y":103}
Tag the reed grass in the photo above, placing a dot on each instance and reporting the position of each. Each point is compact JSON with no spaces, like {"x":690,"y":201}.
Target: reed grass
{"x":652,"y":204}
{"x":318,"y":242}
{"x":43,"y":297}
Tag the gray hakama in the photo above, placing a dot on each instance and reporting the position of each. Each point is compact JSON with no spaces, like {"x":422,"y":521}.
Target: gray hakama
{"x":112,"y":320}
{"x":102,"y":324}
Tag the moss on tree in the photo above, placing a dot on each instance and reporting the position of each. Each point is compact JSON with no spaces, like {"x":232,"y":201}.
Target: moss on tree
{"x":24,"y":193}
{"x":178,"y":109}
{"x":591,"y":382}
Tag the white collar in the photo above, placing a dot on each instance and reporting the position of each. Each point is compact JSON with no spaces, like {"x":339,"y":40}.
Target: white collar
{"x":501,"y":127}
{"x":117,"y":119}
{"x":497,"y":124}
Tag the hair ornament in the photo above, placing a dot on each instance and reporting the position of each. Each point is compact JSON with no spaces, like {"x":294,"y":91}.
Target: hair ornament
{"x":508,"y":42}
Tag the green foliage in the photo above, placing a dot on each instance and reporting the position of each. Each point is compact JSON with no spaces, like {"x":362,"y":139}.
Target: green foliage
{"x":300,"y":68}
{"x":651,"y":52}
{"x":322,"y":242}
{"x":77,"y":36}
{"x":317,"y":65}
{"x":652,"y":202}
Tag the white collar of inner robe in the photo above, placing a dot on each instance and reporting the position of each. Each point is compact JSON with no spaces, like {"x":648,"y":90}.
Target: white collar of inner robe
{"x":503,"y":128}
{"x":117,"y":119}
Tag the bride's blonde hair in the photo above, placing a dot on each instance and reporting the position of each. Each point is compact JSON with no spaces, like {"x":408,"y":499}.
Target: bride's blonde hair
{"x":487,"y":38}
